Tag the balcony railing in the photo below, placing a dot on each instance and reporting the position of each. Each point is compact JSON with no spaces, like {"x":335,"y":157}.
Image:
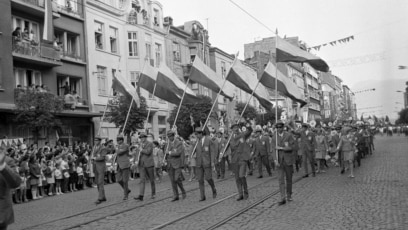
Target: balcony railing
{"x":70,"y":54}
{"x":44,"y":51}
{"x":39,"y":3}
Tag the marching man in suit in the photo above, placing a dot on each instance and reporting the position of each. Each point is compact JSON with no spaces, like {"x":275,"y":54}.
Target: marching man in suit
{"x":123,"y":165}
{"x":286,"y":158}
{"x":9,"y":179}
{"x":260,"y":150}
{"x":221,"y":158}
{"x":308,"y":145}
{"x":240,"y":156}
{"x":205,"y":157}
{"x":174,"y":153}
{"x":99,"y":156}
{"x":146,"y":166}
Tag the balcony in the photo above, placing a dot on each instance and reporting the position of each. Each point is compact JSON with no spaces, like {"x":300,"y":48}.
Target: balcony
{"x":33,"y":7}
{"x":41,"y":54}
{"x":71,"y":8}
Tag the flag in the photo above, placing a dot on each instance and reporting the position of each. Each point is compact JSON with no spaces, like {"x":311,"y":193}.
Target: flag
{"x":285,"y":86}
{"x":123,"y":86}
{"x":286,"y":52}
{"x":56,"y":135}
{"x":246,"y":79}
{"x":168,"y":79}
{"x":205,"y":76}
{"x":147,"y":81}
{"x":48,"y":33}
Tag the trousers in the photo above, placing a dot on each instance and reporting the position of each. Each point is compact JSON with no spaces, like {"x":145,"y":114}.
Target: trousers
{"x":149,"y":173}
{"x":308,"y":157}
{"x":175,"y":179}
{"x":285,"y":174}
{"x":204,"y":173}
{"x":122,"y":177}
{"x":263,"y":160}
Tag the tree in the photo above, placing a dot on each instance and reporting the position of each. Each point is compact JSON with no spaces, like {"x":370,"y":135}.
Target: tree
{"x":387,"y":119}
{"x":361,"y":118}
{"x":403,"y":116}
{"x":38,"y":110}
{"x":198,"y":111}
{"x":269,"y":116}
{"x":249,"y":113}
{"x":375,"y":120}
{"x":119,"y":109}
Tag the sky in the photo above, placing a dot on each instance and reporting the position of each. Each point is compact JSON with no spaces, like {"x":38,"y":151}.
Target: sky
{"x":379,"y":27}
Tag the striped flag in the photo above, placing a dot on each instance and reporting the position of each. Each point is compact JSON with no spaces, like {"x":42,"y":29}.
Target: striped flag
{"x":286,"y":52}
{"x":204,"y":75}
{"x":246,"y":79}
{"x":123,"y":86}
{"x":285,"y":86}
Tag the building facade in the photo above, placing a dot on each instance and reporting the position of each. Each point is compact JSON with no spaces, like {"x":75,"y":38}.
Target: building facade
{"x":49,"y":52}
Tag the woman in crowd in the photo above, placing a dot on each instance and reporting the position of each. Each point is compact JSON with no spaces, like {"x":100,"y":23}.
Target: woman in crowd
{"x":35,"y":174}
{"x":320,"y":150}
{"x":347,"y":146}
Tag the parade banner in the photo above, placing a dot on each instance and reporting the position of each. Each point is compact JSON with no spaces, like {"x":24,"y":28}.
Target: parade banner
{"x":246,"y":79}
{"x":8,"y":142}
{"x":48,"y":33}
{"x":204,"y":75}
{"x":124,"y":87}
{"x":287,"y":52}
{"x":285,"y":86}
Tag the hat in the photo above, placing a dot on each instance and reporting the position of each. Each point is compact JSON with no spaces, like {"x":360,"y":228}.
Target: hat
{"x":142,"y":135}
{"x":305,"y":125}
{"x":171,"y":133}
{"x":120,"y":137}
{"x":279,"y":124}
{"x":99,"y":138}
{"x":258,"y":129}
{"x":234,"y":125}
{"x":198,"y":130}
{"x":220,"y":131}
{"x":338,"y":128}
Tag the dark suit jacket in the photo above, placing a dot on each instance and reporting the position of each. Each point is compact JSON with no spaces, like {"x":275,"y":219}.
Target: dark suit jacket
{"x":146,"y":155}
{"x":122,"y":156}
{"x":205,"y":152}
{"x":9,"y":179}
{"x":261,"y":146}
{"x":240,"y":146}
{"x":307,"y":141}
{"x":288,"y":156}
{"x":176,"y":150}
{"x":220,"y":146}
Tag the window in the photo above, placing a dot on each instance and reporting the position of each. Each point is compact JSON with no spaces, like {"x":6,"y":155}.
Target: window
{"x":162,"y":120}
{"x":113,"y":39}
{"x":72,"y":45}
{"x":73,"y":82}
{"x":223,"y":70}
{"x":99,"y":35}
{"x":158,"y":54}
{"x":176,"y":52}
{"x":102,"y":80}
{"x":134,"y":78}
{"x":28,"y":25}
{"x":132,"y":40}
{"x":27,"y":77}
{"x":156,"y":19}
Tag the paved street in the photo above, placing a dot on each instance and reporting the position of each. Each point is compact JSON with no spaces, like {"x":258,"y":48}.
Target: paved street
{"x":376,"y":199}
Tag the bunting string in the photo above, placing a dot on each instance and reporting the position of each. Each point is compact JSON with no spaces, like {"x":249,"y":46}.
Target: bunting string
{"x":332,"y":43}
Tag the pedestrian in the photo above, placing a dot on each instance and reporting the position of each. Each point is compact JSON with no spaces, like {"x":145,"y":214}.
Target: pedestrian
{"x":58,"y":179}
{"x":80,"y":173}
{"x":35,"y":174}
{"x":174,"y":152}
{"x":191,"y":160}
{"x":99,"y":155}
{"x":123,"y":165}
{"x":240,"y":156}
{"x":285,"y":154}
{"x":221,"y":157}
{"x":321,"y":150}
{"x":308,"y":145}
{"x":146,"y":166}
{"x":158,"y":160}
{"x":49,"y":174}
{"x":9,"y":179}
{"x":204,"y":155}
{"x":347,"y":146}
{"x":260,"y":151}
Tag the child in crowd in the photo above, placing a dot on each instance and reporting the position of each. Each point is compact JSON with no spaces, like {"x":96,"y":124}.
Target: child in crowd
{"x":58,"y":179}
{"x":80,"y":173}
{"x":49,"y":174}
{"x":22,"y":192}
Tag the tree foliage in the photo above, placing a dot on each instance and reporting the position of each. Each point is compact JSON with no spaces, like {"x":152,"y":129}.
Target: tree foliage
{"x":403,"y":116}
{"x":269,"y":116}
{"x":249,"y":113}
{"x":387,"y":119}
{"x":38,"y":110}
{"x":119,"y":109}
{"x":198,"y":111}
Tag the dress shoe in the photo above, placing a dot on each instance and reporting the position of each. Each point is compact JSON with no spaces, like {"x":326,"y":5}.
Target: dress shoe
{"x":139,"y":198}
{"x":175,"y":199}
{"x":215,"y":194}
{"x":314,"y":174}
{"x":260,"y":176}
{"x":99,"y":201}
{"x":306,"y":175}
{"x":202,"y":199}
{"x":270,"y":174}
{"x":246,"y":197}
{"x":342,"y":171}
{"x":290,"y":198}
{"x":153,"y":196}
{"x":240,"y":198}
{"x":282,"y":202}
{"x":250,"y":173}
{"x":183,"y":196}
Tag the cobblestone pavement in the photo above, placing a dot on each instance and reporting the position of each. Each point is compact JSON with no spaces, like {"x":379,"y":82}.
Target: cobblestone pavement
{"x":377,"y":198}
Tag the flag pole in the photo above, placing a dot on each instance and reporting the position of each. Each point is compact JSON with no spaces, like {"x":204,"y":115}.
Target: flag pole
{"x":131,"y":103}
{"x":240,"y":116}
{"x":276,"y":95}
{"x":148,"y":113}
{"x":104,"y":112}
{"x":215,"y":101}
{"x":181,"y":102}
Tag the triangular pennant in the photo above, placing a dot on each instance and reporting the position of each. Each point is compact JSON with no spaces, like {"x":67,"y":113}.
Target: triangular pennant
{"x":352,"y":37}
{"x":325,"y":44}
